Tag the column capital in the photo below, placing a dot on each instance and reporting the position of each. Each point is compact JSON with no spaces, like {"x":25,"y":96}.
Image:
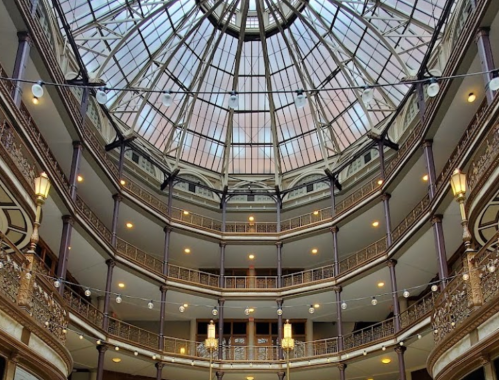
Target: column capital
{"x":14,"y":356}
{"x":167,"y":229}
{"x":24,"y":37}
{"x":391,"y":263}
{"x":437,"y":218}
{"x":221,"y":302}
{"x":222,"y":244}
{"x":111,"y":263}
{"x":67,"y":219}
{"x":279,"y":302}
{"x":77,"y":144}
{"x":220,"y":374}
{"x":163,"y":288}
{"x":159,"y":365}
{"x":482,"y":31}
{"x":428,"y":143}
{"x":280,"y":375}
{"x":117,"y":197}
{"x":337,"y":288}
{"x":342,"y":366}
{"x":279,"y":244}
{"x":102,"y":348}
{"x":385,"y":196}
{"x":334,"y":229}
{"x":400,"y":349}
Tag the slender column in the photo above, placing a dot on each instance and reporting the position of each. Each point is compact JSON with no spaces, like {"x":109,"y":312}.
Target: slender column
{"x":381,"y":160}
{"x":85,"y":100}
{"x":62,"y":266}
{"x":121,"y":161}
{"x":486,"y":59}
{"x":159,"y":370}
{"x":400,"y":355}
{"x":75,"y":168}
{"x":224,"y":213}
{"x":220,"y":375}
{"x":279,"y":263}
{"x":22,"y":56}
{"x":278,"y":216}
{"x":222,"y":264}
{"x":393,"y":281}
{"x":438,"y":232}
{"x":114,"y":223}
{"x":221,"y":303}
{"x":109,"y":281}
{"x":388,"y":220}
{"x":100,"y":361}
{"x":342,"y":367}
{"x":166,"y":249}
{"x":334,"y":230}
{"x":251,"y":337}
{"x":281,"y":375}
{"x":430,"y":167}
{"x":162,"y":308}
{"x":333,"y":198}
{"x":420,"y":98}
{"x":279,"y":329}
{"x":339,"y":320}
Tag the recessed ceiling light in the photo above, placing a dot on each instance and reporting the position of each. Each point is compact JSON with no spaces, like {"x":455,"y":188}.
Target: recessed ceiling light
{"x":121,"y":285}
{"x":251,"y":218}
{"x":251,"y":310}
{"x":425,"y":177}
{"x":316,"y":305}
{"x":122,"y":182}
{"x":69,"y":248}
{"x":186,"y":305}
{"x":315,"y":250}
{"x":251,"y":256}
{"x":187,"y":250}
{"x":316,"y":212}
{"x":375,"y":223}
{"x":182,"y":350}
{"x":471,"y":97}
{"x":79,"y":178}
{"x":386,"y":360}
{"x":129,"y":225}
{"x":381,"y":284}
{"x":116,"y":360}
{"x":186,"y":212}
{"x":250,"y":378}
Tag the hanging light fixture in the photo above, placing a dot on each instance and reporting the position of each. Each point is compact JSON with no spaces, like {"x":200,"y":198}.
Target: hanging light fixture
{"x":300,"y":99}
{"x":406,"y":293}
{"x":433,"y":88}
{"x":233,"y":100}
{"x":37,"y":91}
{"x":214,"y":312}
{"x":279,"y":311}
{"x":434,"y":287}
{"x":88,"y":293}
{"x":368,"y":95}
{"x":119,"y":299}
{"x":101,"y":95}
{"x":167,"y":99}
{"x":181,"y":308}
{"x":494,"y":84}
{"x":150,"y":305}
{"x":57,"y":283}
{"x":374,"y":301}
{"x":344,"y":305}
{"x":311,"y":309}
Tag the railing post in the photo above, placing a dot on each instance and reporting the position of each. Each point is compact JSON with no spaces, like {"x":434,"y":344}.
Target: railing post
{"x":473,"y":288}
{"x":401,"y":362}
{"x":107,"y":297}
{"x":438,"y":232}
{"x":220,"y":375}
{"x":396,"y":306}
{"x":339,"y":321}
{"x":27,"y":282}
{"x":161,"y":344}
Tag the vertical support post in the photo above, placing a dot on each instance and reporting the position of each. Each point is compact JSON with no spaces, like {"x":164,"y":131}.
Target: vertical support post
{"x":159,"y":370}
{"x":121,"y":161}
{"x":278,"y":212}
{"x":84,"y":104}
{"x":281,"y":375}
{"x":222,"y":245}
{"x":342,"y":367}
{"x":430,"y":167}
{"x":393,"y":281}
{"x":109,"y":281}
{"x":163,"y":289}
{"x":224,"y":213}
{"x":438,"y":232}
{"x":334,"y":230}
{"x":100,"y":361}
{"x":221,"y":303}
{"x":420,"y":98}
{"x":62,"y":266}
{"x":279,"y":330}
{"x":333,"y":198}
{"x":381,"y":159}
{"x":400,"y":355}
{"x":279,"y":263}
{"x":486,"y":59}
{"x":22,"y":56}
{"x":75,"y":168}
{"x":117,"y":198}
{"x":220,"y":375}
{"x":170,"y":197}
{"x":166,"y":249}
{"x":388,"y":220}
{"x":339,"y":320}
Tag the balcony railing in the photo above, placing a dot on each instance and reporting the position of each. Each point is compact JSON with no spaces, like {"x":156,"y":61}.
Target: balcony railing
{"x":250,"y":282}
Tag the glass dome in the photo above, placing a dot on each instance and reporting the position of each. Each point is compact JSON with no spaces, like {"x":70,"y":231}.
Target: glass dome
{"x":266,"y":51}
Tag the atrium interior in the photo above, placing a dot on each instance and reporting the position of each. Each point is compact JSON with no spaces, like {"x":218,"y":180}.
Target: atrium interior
{"x":249,"y":189}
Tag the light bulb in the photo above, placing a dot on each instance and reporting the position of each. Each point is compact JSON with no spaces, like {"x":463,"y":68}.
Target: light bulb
{"x":466,"y":276}
{"x":135,"y":353}
{"x":344,"y":305}
{"x":233,"y":100}
{"x":37,"y":89}
{"x":383,"y":348}
{"x":433,"y":88}
{"x":154,"y":357}
{"x":214,"y":311}
{"x":29,"y":275}
{"x":494,"y":84}
{"x":364,"y":353}
{"x":300,"y":99}
{"x":101,"y":95}
{"x":81,"y":337}
{"x":368,"y":95}
{"x":246,"y":311}
{"x":35,"y":100}
{"x":374,"y":301}
{"x":88,"y":293}
{"x":491,"y":266}
{"x":311,"y":309}
{"x":1,"y":265}
{"x":150,"y":305}
{"x":116,"y":348}
{"x":419,"y":336}
{"x":47,"y":323}
{"x":406,"y":293}
{"x":118,"y":299}
{"x":57,"y":283}
{"x":435,"y":331}
{"x":99,"y":342}
{"x":279,"y":311}
{"x":167,"y":99}
{"x":401,"y":343}
{"x":434,"y":287}
{"x":64,"y":331}
{"x":181,"y":308}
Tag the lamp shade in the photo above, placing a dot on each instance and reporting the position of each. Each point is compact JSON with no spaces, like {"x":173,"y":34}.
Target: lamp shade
{"x":167,"y":99}
{"x":233,"y":100}
{"x":211,"y":330}
{"x":494,"y":84}
{"x":287,"y":330}
{"x":211,"y":342}
{"x":458,"y":184}
{"x":288,"y":343}
{"x":37,"y":89}
{"x":433,"y":88}
{"x":42,"y":186}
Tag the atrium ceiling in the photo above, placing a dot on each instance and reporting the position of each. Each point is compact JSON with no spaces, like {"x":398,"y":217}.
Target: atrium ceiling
{"x":265,"y":51}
